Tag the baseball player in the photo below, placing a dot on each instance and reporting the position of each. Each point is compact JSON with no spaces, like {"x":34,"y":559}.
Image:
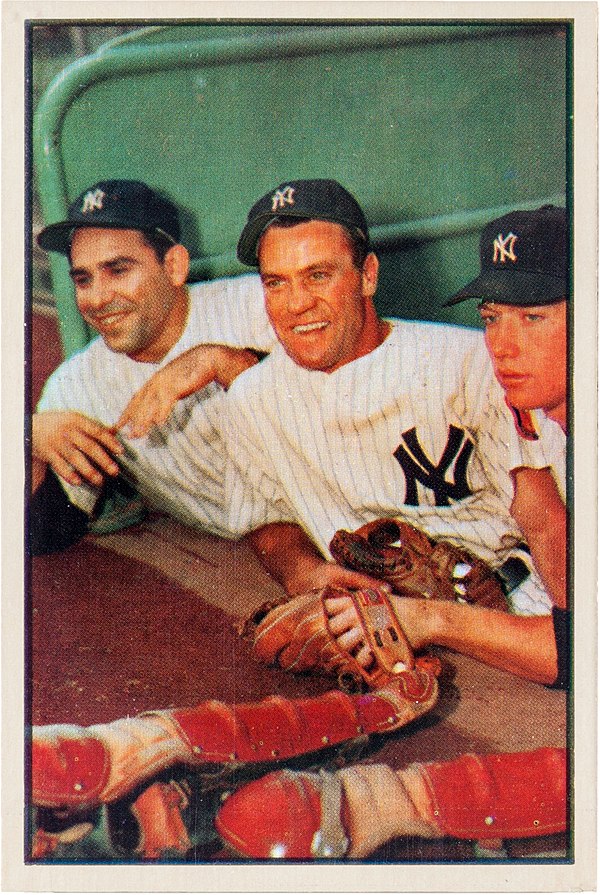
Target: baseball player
{"x":129,"y":270}
{"x":523,"y":290}
{"x":352,"y":417}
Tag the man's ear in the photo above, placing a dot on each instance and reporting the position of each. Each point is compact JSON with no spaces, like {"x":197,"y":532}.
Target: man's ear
{"x":177,"y":264}
{"x":370,"y":273}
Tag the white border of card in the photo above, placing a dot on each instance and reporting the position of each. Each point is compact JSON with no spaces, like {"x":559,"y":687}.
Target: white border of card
{"x":539,"y":877}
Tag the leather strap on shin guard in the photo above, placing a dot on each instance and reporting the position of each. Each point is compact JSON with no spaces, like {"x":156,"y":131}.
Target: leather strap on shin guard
{"x":505,"y":796}
{"x":161,"y":826}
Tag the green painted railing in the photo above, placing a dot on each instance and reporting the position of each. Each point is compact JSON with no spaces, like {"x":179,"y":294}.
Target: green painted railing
{"x":121,"y":64}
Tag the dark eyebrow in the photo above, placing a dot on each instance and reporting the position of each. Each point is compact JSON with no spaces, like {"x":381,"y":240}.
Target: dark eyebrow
{"x":319,"y":264}
{"x":120,"y":259}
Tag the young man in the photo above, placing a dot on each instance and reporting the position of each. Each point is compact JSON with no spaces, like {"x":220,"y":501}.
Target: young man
{"x":522,"y":288}
{"x":524,"y":309}
{"x":353,"y":417}
{"x":129,"y":270}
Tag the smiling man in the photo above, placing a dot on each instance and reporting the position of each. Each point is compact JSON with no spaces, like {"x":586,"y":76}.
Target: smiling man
{"x":129,"y":269}
{"x":353,"y":417}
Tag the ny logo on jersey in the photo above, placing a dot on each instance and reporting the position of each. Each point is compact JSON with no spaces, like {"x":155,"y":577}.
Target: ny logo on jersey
{"x":504,"y":248}
{"x":92,"y":200}
{"x":417,"y":467}
{"x":283,"y":197}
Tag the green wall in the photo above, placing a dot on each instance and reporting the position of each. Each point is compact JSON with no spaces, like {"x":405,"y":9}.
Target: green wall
{"x":436,"y":128}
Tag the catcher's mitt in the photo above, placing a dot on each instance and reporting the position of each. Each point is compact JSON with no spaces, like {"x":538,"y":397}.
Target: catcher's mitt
{"x":416,"y":566}
{"x":294,"y":634}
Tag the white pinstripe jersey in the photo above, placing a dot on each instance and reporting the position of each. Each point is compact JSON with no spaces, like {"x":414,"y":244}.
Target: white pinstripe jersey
{"x":553,"y":441}
{"x":417,"y":429}
{"x":179,"y":467}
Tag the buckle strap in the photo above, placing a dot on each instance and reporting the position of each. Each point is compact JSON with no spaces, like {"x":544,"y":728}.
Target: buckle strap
{"x":330,"y":840}
{"x":512,"y":573}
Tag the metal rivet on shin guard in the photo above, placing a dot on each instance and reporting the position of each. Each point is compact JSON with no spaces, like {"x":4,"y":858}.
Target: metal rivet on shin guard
{"x":489,"y":821}
{"x":275,"y":753}
{"x":197,"y":750}
{"x":325,"y":740}
{"x":78,"y":787}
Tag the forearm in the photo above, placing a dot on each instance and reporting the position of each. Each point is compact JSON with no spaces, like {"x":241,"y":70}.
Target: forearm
{"x":522,"y":645}
{"x":228,"y":363}
{"x":287,"y":553}
{"x":549,"y":553}
{"x":542,"y":517}
{"x":202,"y":364}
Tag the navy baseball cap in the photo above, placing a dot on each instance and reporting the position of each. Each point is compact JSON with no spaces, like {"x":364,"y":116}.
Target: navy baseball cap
{"x":114,"y":204}
{"x":523,"y":260}
{"x":320,"y":200}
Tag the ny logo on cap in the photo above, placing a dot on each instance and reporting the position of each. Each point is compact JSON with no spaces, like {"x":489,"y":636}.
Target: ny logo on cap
{"x":92,"y":200}
{"x":283,"y":197}
{"x":504,"y":249}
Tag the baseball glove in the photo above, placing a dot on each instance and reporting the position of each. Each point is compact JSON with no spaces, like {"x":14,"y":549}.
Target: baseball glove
{"x":293,"y":634}
{"x":416,"y":566}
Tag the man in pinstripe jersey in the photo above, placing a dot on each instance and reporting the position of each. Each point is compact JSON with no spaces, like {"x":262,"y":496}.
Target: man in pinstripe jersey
{"x":129,"y":270}
{"x":523,"y":303}
{"x":353,"y":417}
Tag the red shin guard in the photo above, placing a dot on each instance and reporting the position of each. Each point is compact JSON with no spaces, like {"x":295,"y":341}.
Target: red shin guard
{"x":277,"y":728}
{"x":75,"y":769}
{"x":505,"y":796}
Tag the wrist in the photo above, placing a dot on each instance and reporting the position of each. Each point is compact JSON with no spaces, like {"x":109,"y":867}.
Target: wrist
{"x":304,"y":575}
{"x":423,"y":621}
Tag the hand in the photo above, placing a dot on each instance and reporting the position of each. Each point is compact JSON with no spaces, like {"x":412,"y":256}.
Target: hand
{"x":77,"y":448}
{"x":322,"y":574}
{"x":416,"y":617}
{"x":188,"y":373}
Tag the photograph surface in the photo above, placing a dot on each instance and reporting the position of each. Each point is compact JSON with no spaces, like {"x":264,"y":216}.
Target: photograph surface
{"x":301,"y":480}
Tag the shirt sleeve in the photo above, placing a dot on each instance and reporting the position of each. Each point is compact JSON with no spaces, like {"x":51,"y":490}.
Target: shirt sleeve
{"x":253,"y":505}
{"x":548,"y":450}
{"x":500,"y":447}
{"x":254,"y":494}
{"x":58,"y":392}
{"x":231,"y":311}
